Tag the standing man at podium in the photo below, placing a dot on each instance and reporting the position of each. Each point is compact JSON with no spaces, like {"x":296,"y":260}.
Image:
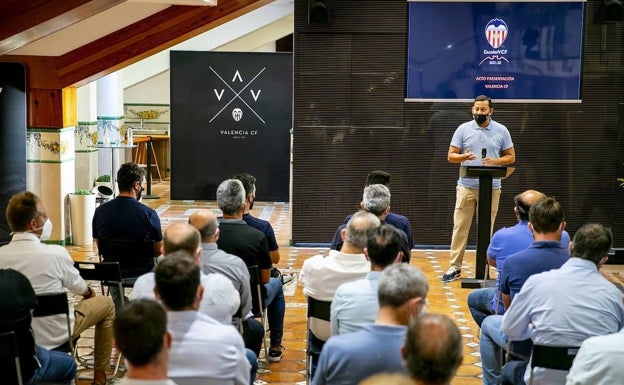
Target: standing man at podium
{"x":478,"y":142}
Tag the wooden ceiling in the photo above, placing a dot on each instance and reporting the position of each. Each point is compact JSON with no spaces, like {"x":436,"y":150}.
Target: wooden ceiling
{"x":80,"y":54}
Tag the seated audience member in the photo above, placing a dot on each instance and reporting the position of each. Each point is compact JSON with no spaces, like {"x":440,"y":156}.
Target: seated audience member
{"x":564,"y":307}
{"x":355,"y":303}
{"x":50,"y":269}
{"x":37,"y":364}
{"x":238,"y":238}
{"x":249,"y":183}
{"x":202,"y":348}
{"x":220,"y":300}
{"x":321,"y":275}
{"x":141,"y":335}
{"x":126,"y":219}
{"x":349,"y":358}
{"x":433,"y":349}
{"x":546,"y":222}
{"x":214,"y":260}
{"x":506,"y":241}
{"x":399,"y":221}
{"x":375,"y":200}
{"x":599,"y":361}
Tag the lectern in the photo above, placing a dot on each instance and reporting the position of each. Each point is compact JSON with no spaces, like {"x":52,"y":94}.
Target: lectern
{"x":484,"y":216}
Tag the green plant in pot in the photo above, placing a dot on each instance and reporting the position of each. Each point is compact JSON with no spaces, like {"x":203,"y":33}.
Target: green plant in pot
{"x":83,"y":192}
{"x":103,"y":178}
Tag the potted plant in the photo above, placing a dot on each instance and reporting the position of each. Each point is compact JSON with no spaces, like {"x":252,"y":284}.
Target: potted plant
{"x":82,"y":209}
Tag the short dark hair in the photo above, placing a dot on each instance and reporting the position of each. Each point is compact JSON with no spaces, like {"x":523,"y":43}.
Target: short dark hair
{"x":128,"y":174}
{"x":378,"y":177}
{"x":383,"y":245}
{"x":433,"y":348}
{"x":592,"y":242}
{"x":22,"y":208}
{"x":248,"y":181}
{"x":546,"y":215}
{"x":139,"y":329}
{"x":177,"y":279}
{"x":482,"y":98}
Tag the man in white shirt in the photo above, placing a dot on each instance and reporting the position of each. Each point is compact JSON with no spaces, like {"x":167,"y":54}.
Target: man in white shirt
{"x":355,"y":303}
{"x":50,"y":269}
{"x":202,"y":348}
{"x":142,"y":337}
{"x":599,"y":361}
{"x":322,"y":275}
{"x":220,"y":300}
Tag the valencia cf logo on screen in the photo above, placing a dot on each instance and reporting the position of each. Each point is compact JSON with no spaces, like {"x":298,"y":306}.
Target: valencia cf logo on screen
{"x":496,"y":32}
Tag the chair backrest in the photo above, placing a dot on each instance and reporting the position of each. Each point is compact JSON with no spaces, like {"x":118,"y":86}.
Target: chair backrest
{"x":319,"y":309}
{"x":9,"y":359}
{"x":135,"y":257}
{"x":257,"y":299}
{"x":552,"y":357}
{"x":52,"y":304}
{"x":108,"y":273}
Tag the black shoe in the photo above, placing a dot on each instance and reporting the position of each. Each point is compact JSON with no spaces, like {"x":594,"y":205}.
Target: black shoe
{"x":451,"y":275}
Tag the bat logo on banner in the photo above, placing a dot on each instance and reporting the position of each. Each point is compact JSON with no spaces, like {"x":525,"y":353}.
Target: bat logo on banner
{"x":237,"y":113}
{"x":496,"y":32}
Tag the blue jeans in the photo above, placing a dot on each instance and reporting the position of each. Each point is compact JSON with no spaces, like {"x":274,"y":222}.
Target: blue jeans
{"x":492,"y":343}
{"x":276,"y":307}
{"x":480,"y":303}
{"x":56,"y":367}
{"x":253,"y":360}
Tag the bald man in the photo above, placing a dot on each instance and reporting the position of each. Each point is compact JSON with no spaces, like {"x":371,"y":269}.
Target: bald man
{"x":220,"y":300}
{"x":214,"y":260}
{"x":506,"y":241}
{"x":432,"y":350}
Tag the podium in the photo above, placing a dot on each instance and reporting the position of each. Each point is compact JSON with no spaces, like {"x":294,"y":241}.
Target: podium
{"x":484,"y":215}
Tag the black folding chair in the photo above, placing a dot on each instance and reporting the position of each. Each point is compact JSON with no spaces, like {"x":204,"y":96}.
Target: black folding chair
{"x":109,"y":274}
{"x":9,"y":359}
{"x":135,"y":257}
{"x":552,"y":357}
{"x":53,"y":304}
{"x":316,"y":309}
{"x":258,"y":305}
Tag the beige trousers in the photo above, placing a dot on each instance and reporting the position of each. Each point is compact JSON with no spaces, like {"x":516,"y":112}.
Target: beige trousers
{"x":98,"y":311}
{"x":465,"y":207}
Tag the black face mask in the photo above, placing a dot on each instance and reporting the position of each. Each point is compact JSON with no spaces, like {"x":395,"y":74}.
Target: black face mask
{"x":480,"y":118}
{"x":251,"y":202}
{"x":140,"y":193}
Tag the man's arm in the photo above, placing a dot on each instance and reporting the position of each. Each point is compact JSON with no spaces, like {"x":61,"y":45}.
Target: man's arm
{"x":508,"y":156}
{"x":456,"y":156}
{"x":158,"y":246}
{"x":275,"y":256}
{"x":517,"y":319}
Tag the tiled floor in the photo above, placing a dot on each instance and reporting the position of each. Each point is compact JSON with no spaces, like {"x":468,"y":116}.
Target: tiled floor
{"x":447,"y":298}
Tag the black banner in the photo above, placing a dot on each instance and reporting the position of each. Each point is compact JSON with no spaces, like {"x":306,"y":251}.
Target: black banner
{"x":231,"y":112}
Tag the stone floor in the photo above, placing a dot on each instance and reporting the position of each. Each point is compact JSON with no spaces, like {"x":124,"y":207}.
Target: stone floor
{"x":448,"y":298}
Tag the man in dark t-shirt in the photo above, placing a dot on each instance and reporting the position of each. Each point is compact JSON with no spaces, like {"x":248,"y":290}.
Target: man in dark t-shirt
{"x":238,"y":238}
{"x":125,"y":219}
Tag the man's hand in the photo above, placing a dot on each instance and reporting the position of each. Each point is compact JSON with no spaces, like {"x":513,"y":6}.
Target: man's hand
{"x":89,"y":293}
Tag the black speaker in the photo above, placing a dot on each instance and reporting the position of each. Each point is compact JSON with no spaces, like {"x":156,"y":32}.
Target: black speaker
{"x":616,"y":256}
{"x":318,"y":11}
{"x":612,"y":11}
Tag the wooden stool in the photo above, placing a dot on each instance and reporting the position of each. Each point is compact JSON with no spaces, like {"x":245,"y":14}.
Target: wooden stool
{"x":141,"y":154}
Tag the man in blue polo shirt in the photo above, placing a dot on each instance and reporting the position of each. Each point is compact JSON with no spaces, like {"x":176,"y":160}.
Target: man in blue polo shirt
{"x":126,"y":219}
{"x":479,"y":142}
{"x":546,"y":222}
{"x":505,"y":242}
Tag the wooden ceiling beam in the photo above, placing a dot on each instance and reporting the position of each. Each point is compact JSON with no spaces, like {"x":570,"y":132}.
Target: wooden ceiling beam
{"x":26,"y":21}
{"x":144,"y":38}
